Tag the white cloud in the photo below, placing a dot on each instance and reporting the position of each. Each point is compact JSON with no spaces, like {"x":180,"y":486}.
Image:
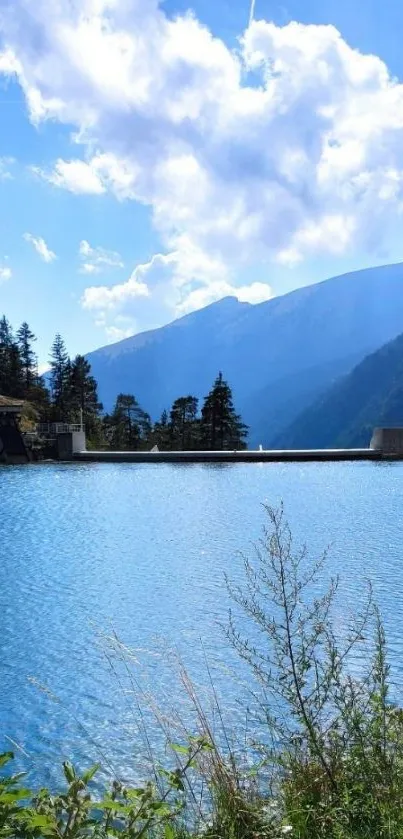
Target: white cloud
{"x":116,"y":333}
{"x":92,"y":177}
{"x":43,"y":368}
{"x":5,"y":273}
{"x":122,"y":327}
{"x":5,"y":165}
{"x":252,"y":11}
{"x":113,"y":297}
{"x":162,"y":286}
{"x":75,"y":175}
{"x":335,"y":230}
{"x":89,"y":268}
{"x":41,"y":247}
{"x":253,"y":293}
{"x":9,"y":65}
{"x":96,"y":260}
{"x":303,"y":161}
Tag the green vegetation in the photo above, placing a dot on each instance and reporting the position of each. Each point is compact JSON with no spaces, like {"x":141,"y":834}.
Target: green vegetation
{"x":218,"y":427}
{"x":128,"y":427}
{"x":346,"y":415}
{"x":72,"y":388}
{"x":184,"y":426}
{"x":18,"y":366}
{"x":327,"y":764}
{"x":73,"y":394}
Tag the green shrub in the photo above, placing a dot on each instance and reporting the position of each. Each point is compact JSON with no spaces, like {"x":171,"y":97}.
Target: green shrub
{"x":338,"y":740}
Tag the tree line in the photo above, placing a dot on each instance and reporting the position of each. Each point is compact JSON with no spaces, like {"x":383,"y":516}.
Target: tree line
{"x":216,"y":427}
{"x":68,"y":389}
{"x":69,"y":393}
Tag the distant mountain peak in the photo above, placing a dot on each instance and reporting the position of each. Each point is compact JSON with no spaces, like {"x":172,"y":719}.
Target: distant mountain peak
{"x":225,"y":305}
{"x":279,"y":356}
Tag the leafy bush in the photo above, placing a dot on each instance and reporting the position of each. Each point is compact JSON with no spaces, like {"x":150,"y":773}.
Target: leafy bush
{"x":124,"y":812}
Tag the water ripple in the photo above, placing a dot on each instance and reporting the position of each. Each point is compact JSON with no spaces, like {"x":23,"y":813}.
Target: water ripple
{"x":142,"y":550}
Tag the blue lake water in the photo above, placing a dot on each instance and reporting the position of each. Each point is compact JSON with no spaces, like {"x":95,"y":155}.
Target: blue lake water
{"x":89,"y":550}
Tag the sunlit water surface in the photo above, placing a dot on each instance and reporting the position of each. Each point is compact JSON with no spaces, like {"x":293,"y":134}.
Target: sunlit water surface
{"x":139,"y":552}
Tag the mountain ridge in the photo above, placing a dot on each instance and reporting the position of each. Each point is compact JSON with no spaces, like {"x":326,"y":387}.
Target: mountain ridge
{"x":278,"y":356}
{"x":370,"y":395}
{"x":131,"y":341}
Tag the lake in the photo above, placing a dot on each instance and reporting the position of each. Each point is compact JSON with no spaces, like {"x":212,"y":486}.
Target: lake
{"x":140,"y":551}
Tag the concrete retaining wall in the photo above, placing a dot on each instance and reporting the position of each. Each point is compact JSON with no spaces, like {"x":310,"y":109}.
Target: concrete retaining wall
{"x":248,"y":456}
{"x":69,"y":443}
{"x":387,"y":441}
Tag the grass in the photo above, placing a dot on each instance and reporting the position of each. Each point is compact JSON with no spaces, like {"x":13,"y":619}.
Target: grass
{"x":330,"y":765}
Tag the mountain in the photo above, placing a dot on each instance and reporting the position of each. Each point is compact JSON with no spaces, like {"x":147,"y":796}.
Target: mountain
{"x":279,"y":356}
{"x":175,"y":360}
{"x":371,"y":395}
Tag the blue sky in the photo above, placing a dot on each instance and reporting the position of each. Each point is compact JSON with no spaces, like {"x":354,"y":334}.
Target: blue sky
{"x":153,"y":161}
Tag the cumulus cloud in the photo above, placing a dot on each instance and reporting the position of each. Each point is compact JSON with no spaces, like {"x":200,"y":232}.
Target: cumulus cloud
{"x":5,"y":273}
{"x":288,"y":148}
{"x":161,"y":286}
{"x":41,"y":247}
{"x":104,"y":297}
{"x":9,"y":65}
{"x":96,"y":260}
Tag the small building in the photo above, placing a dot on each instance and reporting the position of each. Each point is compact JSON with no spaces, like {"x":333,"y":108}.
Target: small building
{"x":12,"y":446}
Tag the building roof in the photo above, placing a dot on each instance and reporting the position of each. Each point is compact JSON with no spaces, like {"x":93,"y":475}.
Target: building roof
{"x":10,"y":403}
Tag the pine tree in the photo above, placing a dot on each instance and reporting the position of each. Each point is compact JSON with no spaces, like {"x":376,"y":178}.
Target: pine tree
{"x":128,"y":427}
{"x":184,"y":424}
{"x":6,"y":341}
{"x":11,"y":372}
{"x":160,"y":435}
{"x":221,"y":427}
{"x":25,"y":338}
{"x":60,"y":370}
{"x":6,"y":333}
{"x":83,"y":395}
{"x":16,"y":372}
{"x":39,"y":396}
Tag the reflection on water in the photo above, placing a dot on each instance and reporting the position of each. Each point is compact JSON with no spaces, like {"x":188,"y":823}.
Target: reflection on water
{"x":141,"y":550}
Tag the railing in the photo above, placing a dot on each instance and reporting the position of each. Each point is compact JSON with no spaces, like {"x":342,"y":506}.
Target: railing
{"x":54,"y":428}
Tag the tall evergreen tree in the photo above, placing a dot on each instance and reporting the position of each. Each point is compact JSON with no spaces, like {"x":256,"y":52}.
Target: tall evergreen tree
{"x":25,"y":339}
{"x":15,"y":372}
{"x":128,"y":427}
{"x":60,"y":370}
{"x":221,"y":427}
{"x":161,"y":433}
{"x":6,"y":333}
{"x":5,"y":344}
{"x":83,"y":395}
{"x":11,"y":373}
{"x":184,"y":424}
